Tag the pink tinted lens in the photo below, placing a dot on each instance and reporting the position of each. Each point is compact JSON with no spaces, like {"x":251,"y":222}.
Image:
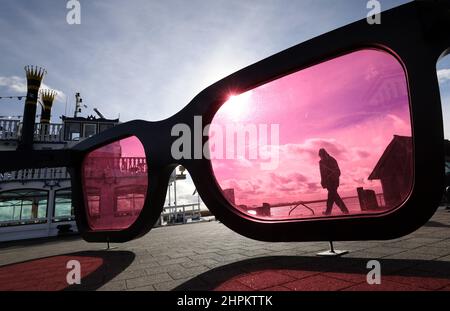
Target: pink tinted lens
{"x":115,"y":184}
{"x":333,"y":139}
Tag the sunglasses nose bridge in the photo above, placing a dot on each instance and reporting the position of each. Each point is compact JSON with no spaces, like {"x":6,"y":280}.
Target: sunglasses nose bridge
{"x":176,"y":142}
{"x":166,"y":143}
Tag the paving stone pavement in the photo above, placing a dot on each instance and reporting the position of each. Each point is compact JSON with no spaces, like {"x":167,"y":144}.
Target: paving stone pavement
{"x":209,"y":256}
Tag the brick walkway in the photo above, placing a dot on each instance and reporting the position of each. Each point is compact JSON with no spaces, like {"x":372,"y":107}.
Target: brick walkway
{"x":210,"y":256}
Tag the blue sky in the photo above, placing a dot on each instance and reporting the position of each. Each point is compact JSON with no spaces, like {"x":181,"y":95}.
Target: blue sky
{"x":147,"y":59}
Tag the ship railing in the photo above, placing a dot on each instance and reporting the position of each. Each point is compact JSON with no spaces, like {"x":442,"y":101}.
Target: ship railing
{"x":43,"y":132}
{"x":118,"y":167}
{"x":115,"y":167}
{"x":21,"y":222}
{"x":9,"y":129}
{"x":53,"y":173}
{"x":35,"y":221}
{"x":50,"y":132}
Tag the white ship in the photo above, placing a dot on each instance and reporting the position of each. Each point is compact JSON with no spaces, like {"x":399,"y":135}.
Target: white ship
{"x":36,"y":203}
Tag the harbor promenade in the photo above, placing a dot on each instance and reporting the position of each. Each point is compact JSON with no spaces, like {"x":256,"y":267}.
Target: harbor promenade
{"x":209,"y":256}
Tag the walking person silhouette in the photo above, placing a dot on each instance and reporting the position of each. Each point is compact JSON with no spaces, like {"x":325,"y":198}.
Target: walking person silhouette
{"x":329,"y":174}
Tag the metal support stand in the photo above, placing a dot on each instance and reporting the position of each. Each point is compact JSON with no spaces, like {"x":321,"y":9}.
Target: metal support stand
{"x":108,"y":247}
{"x":332,"y":252}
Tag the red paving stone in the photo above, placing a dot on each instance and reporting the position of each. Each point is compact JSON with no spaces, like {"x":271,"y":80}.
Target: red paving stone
{"x":265,"y":279}
{"x":232,"y":285}
{"x":49,"y":274}
{"x":277,"y":289}
{"x":423,"y":282}
{"x":384,"y":286}
{"x":318,"y":283}
{"x":299,"y":280}
{"x":349,"y":277}
{"x":46,"y":274}
{"x":298,"y":274}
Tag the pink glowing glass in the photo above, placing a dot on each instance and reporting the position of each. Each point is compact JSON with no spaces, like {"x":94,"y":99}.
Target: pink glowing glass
{"x":354,"y":110}
{"x":115,"y":184}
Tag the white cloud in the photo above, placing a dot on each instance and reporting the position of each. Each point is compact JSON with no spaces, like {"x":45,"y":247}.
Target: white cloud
{"x":443,"y":75}
{"x":14,"y":84}
{"x":18,"y":85}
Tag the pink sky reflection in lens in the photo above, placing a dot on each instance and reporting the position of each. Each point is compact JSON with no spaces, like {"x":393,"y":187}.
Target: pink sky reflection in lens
{"x":115,"y":184}
{"x":353,"y":110}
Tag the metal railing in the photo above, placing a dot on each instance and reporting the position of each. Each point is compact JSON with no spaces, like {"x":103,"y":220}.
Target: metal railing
{"x":35,"y":221}
{"x":180,"y":214}
{"x":21,"y":222}
{"x":115,"y":167}
{"x":53,"y":173}
{"x":51,"y":132}
{"x":312,"y":207}
{"x":9,"y":129}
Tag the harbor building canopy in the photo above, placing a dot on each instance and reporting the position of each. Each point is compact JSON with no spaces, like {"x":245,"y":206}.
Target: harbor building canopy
{"x":394,"y":170}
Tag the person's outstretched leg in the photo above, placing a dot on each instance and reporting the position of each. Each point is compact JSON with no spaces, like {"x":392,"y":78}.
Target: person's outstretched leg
{"x":340,"y":203}
{"x":330,"y":202}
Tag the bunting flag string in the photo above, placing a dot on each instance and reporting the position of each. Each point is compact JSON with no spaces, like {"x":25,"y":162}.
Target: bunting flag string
{"x":11,"y":97}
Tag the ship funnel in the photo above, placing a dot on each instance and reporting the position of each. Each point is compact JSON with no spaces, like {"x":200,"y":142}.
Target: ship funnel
{"x":35,"y":75}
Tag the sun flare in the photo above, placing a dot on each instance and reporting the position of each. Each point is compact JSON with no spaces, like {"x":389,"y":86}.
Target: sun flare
{"x":236,"y":107}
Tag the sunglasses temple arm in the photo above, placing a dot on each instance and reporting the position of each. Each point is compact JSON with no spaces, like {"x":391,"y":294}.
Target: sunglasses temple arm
{"x":16,"y":160}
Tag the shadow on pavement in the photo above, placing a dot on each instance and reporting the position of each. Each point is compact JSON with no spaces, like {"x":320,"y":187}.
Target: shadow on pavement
{"x":322,"y":274}
{"x":436,"y":224}
{"x":39,"y":241}
{"x":50,"y":273}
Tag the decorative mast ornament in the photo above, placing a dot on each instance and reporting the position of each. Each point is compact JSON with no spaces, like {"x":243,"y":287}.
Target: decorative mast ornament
{"x":35,"y":75}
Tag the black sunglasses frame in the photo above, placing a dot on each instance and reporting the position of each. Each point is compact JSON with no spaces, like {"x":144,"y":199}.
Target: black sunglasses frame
{"x":414,"y":33}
